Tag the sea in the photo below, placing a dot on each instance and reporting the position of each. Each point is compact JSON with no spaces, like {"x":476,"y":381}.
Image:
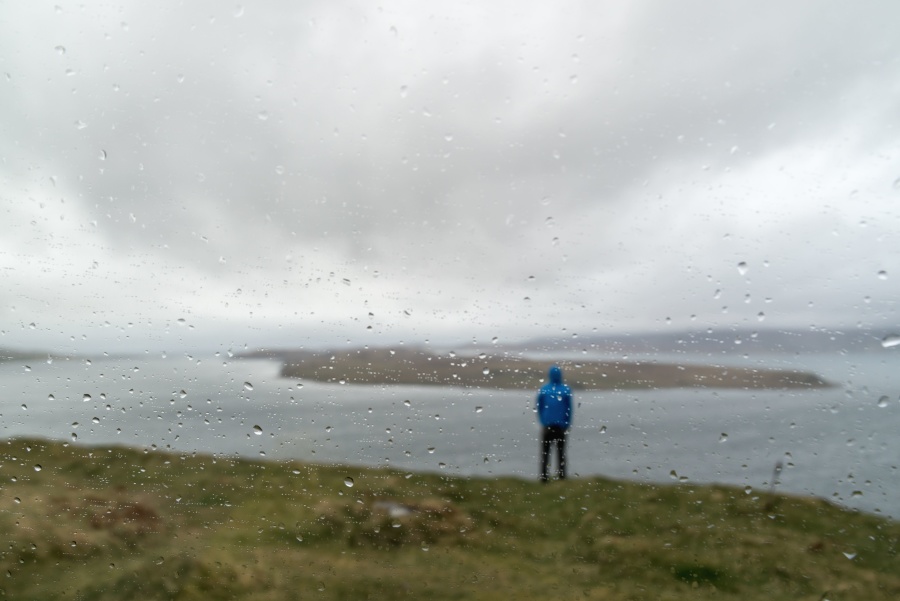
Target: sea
{"x":839,"y":443}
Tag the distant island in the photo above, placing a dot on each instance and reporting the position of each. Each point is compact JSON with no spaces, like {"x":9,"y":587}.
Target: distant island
{"x":382,"y":366}
{"x":19,"y":355}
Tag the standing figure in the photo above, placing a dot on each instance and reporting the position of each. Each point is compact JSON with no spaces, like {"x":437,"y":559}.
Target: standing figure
{"x":554,"y":409}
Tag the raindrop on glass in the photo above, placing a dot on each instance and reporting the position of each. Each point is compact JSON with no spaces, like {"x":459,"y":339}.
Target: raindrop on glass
{"x":883,"y":402}
{"x":348,"y":482}
{"x":257,"y":430}
{"x":890,"y":341}
{"x":248,"y":386}
{"x":742,"y":268}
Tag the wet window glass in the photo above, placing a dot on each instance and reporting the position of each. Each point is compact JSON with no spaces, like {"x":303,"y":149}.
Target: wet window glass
{"x":346,"y":300}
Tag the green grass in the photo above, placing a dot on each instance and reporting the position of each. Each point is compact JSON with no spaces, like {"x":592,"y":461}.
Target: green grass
{"x":120,"y":523}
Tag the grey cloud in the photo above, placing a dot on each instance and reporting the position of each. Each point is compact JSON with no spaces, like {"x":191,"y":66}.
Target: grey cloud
{"x":456,"y":151}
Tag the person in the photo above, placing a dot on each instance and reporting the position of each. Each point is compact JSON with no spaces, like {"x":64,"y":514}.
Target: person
{"x":554,"y":409}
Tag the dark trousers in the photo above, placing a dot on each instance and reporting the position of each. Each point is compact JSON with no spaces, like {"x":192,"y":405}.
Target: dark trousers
{"x":553,"y":435}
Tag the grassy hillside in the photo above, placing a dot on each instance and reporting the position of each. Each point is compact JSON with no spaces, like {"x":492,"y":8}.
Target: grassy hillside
{"x":118,"y":523}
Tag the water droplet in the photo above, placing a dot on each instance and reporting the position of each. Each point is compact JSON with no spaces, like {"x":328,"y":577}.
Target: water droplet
{"x":96,"y":420}
{"x":431,"y":449}
{"x":602,"y":429}
{"x":479,"y":409}
{"x":883,"y":402}
{"x":238,"y":11}
{"x":673,"y":475}
{"x":891,"y":340}
{"x":407,"y":403}
{"x":74,"y":437}
{"x":448,"y":137}
{"x":263,"y":115}
{"x":86,"y":398}
{"x":882,"y":275}
{"x":348,"y":482}
{"x":60,"y":50}
{"x":257,"y":430}
{"x":851,"y":555}
{"x":248,"y":386}
{"x":723,"y":437}
{"x":403,"y":91}
{"x":38,"y":467}
{"x":896,"y":184}
{"x":742,"y":268}
{"x":760,"y":316}
{"x":80,"y":124}
{"x":51,"y":398}
{"x":485,"y":371}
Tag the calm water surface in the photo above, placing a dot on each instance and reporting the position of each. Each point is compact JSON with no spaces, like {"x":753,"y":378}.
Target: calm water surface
{"x":839,"y":443}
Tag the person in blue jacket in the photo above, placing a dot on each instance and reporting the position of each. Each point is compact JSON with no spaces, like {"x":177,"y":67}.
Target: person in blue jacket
{"x":554,"y":409}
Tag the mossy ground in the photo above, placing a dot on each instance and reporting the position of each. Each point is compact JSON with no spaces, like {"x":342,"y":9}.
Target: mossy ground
{"x":121,"y":523}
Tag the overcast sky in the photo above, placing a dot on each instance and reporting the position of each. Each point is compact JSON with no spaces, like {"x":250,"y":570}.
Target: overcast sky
{"x":204,"y":174}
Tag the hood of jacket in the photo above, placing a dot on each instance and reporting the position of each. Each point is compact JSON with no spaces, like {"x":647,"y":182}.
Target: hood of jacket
{"x":555,"y":375}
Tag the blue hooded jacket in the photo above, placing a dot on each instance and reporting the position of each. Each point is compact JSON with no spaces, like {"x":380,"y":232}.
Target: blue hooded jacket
{"x":554,"y":401}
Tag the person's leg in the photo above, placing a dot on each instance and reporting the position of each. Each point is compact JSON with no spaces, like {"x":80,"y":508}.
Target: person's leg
{"x":545,"y":454}
{"x":561,"y":450}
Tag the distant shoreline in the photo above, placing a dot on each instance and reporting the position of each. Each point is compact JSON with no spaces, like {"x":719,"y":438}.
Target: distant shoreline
{"x":415,"y":367}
